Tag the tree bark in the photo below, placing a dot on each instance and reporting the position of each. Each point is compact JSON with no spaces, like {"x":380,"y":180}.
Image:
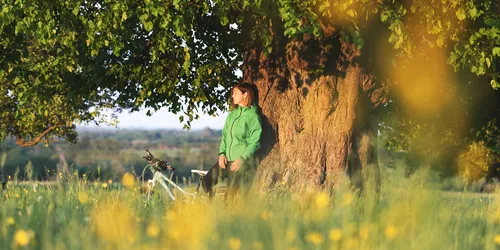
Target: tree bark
{"x":318,"y":106}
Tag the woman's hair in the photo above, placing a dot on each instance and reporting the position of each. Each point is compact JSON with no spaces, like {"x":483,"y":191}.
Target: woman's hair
{"x":251,"y":91}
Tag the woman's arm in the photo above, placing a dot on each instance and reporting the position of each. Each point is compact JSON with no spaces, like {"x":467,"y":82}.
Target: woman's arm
{"x":253,"y":138}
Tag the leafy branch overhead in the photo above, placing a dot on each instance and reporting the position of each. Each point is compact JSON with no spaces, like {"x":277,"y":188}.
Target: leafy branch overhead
{"x":66,"y":61}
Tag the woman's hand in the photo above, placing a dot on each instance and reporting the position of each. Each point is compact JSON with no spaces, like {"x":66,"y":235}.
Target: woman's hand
{"x":222,"y":161}
{"x":236,"y":165}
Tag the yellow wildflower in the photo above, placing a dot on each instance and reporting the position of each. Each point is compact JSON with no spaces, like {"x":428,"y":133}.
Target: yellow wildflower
{"x":314,"y":238}
{"x":83,"y":197}
{"x":497,"y":239}
{"x":390,"y":232}
{"x":234,"y":243}
{"x":153,"y":230}
{"x":128,"y":180}
{"x":265,"y":215}
{"x":22,"y":238}
{"x":105,"y":185}
{"x":352,"y":243}
{"x":335,"y":234}
{"x":110,"y":181}
{"x":364,"y":232}
{"x":10,"y":221}
{"x":322,"y":200}
{"x":191,"y":222}
{"x":170,"y":216}
{"x":291,"y":234}
{"x":115,"y":222}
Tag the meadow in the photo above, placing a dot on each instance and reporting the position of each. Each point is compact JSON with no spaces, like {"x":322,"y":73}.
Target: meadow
{"x":409,"y":213}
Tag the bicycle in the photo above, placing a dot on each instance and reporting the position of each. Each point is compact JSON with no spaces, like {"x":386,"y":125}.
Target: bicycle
{"x":159,"y":169}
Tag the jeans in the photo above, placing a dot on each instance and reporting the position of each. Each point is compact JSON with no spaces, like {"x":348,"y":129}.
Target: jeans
{"x":235,"y":179}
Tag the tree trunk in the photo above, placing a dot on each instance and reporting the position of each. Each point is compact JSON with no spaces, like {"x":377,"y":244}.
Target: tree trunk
{"x":318,"y":108}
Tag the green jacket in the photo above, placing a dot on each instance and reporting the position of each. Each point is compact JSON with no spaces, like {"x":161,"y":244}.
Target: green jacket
{"x":241,"y":134}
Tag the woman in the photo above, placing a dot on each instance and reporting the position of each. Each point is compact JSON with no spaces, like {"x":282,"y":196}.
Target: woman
{"x":240,"y":140}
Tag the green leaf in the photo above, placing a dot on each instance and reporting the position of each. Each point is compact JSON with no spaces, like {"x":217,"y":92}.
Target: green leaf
{"x":224,"y":20}
{"x":317,"y":31}
{"x":76,"y":10}
{"x":176,"y":3}
{"x":384,"y":16}
{"x":143,"y":18}
{"x":453,"y":57}
{"x":460,"y":14}
{"x":496,"y":51}
{"x":148,"y":26}
{"x":473,"y":12}
{"x":440,"y":41}
{"x":494,"y":84}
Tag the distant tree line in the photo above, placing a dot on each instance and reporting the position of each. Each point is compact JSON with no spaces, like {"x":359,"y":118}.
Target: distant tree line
{"x":106,"y":154}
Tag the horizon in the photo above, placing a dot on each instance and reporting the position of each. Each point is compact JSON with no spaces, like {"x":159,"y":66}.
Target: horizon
{"x":162,"y":119}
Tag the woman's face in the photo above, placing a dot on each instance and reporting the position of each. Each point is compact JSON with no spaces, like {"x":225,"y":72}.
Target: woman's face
{"x":239,"y":97}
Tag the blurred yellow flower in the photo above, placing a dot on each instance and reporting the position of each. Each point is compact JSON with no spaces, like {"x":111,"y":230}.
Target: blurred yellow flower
{"x":105,"y":185}
{"x":153,"y":230}
{"x":83,"y":197}
{"x":110,"y":181}
{"x":170,"y":216}
{"x":497,"y":239}
{"x":347,"y":198}
{"x":115,"y":223}
{"x":22,"y":238}
{"x":335,"y":234}
{"x":390,"y":232}
{"x":265,"y":215}
{"x":291,"y":234}
{"x":234,"y":243}
{"x":314,"y":238}
{"x":364,"y":232}
{"x":322,"y":200}
{"x":128,"y":180}
{"x":10,"y":221}
{"x":189,"y":220}
{"x":352,"y":243}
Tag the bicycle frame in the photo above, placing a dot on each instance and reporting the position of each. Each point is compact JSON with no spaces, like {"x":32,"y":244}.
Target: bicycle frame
{"x":160,"y":177}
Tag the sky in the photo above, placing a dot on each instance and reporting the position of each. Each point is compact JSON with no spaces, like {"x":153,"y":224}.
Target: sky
{"x":163,"y":119}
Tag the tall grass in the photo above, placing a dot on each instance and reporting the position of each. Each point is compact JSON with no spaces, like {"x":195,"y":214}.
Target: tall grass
{"x":409,"y":213}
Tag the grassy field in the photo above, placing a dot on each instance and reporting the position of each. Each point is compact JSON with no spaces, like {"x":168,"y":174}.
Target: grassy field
{"x":409,"y":214}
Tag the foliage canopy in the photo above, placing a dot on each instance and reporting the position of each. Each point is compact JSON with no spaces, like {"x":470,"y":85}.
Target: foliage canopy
{"x":67,"y":61}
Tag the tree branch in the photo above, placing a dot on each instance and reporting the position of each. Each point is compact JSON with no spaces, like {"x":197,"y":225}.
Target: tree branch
{"x":38,"y":139}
